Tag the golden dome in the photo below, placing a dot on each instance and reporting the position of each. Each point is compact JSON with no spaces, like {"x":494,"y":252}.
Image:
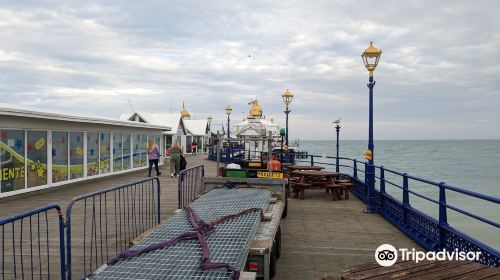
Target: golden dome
{"x":256,"y":110}
{"x":184,"y":112}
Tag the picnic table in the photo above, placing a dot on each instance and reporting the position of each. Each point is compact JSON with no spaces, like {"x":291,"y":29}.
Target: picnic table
{"x":304,"y":167}
{"x":306,"y":179}
{"x":422,"y":270}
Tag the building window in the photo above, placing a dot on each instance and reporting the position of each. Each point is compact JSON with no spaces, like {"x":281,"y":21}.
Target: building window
{"x":144,"y":150}
{"x":76,"y":154}
{"x":136,"y":152}
{"x":105,"y":159}
{"x":11,"y":160}
{"x":36,"y":145}
{"x":59,"y":156}
{"x":92,"y":153}
{"x":117,"y":152}
{"x":126,"y":151}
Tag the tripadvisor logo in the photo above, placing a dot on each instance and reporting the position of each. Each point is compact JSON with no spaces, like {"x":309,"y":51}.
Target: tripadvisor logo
{"x":387,"y":255}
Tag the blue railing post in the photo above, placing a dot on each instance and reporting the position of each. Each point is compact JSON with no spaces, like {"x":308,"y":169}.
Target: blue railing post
{"x":355,"y":170}
{"x":61,"y":244}
{"x":382,"y":180}
{"x":158,"y":200}
{"x":366,"y":177}
{"x":312,"y":160}
{"x":443,"y":218}
{"x":179,"y":192}
{"x":406,"y":198}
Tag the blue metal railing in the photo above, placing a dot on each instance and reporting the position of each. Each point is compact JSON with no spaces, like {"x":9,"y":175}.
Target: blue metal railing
{"x":238,"y":153}
{"x":432,"y":234}
{"x":26,"y":246}
{"x":109,"y":220}
{"x":190,"y":185}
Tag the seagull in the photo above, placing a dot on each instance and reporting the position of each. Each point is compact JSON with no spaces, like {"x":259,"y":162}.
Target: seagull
{"x":337,"y":121}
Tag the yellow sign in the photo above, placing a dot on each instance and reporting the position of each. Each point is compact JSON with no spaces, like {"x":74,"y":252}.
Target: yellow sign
{"x":255,"y":164}
{"x":368,"y":154}
{"x":79,"y":151}
{"x":39,"y":143}
{"x":265,"y":174}
{"x":11,"y":173}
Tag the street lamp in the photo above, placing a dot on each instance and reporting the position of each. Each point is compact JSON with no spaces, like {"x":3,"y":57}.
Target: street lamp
{"x":337,"y":128}
{"x":287,"y":99}
{"x":370,"y":57}
{"x":228,"y":112}
{"x":209,"y":119}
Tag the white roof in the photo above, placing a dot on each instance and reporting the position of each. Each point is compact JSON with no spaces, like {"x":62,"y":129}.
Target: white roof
{"x":196,"y":127}
{"x":171,"y":120}
{"x":29,"y":112}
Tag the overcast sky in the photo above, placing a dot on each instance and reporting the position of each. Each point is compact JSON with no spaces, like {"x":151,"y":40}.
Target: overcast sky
{"x":438,"y":77}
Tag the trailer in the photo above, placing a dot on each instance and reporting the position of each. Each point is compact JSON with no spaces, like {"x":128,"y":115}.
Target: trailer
{"x":230,"y":231}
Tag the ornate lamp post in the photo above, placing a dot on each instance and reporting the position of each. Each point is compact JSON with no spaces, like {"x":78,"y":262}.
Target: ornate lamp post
{"x":228,"y":112}
{"x":287,"y":99}
{"x":337,"y":128}
{"x":370,"y":57}
{"x":209,"y":119}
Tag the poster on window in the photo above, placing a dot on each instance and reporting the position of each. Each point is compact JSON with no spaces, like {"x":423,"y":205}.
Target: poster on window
{"x":12,"y":171}
{"x":59,"y":156}
{"x":92,"y":153}
{"x":117,"y":152}
{"x":36,"y":146}
{"x":126,"y":151}
{"x":76,"y":154}
{"x":105,"y":153}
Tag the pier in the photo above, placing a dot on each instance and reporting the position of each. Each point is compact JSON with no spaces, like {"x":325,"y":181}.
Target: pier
{"x":320,"y":237}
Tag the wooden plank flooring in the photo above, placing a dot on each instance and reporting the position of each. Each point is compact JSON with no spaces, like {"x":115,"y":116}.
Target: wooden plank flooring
{"x":320,"y":236}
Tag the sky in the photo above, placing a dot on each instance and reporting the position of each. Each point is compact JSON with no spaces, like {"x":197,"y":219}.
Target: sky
{"x":438,"y":76}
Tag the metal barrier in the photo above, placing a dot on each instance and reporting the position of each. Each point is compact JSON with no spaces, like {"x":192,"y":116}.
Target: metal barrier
{"x":27,"y":248}
{"x":430,"y":233}
{"x":190,"y":185}
{"x":107,"y":221}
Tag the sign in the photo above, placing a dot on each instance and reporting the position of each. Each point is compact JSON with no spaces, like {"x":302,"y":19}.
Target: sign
{"x":368,"y":154}
{"x":265,"y":174}
{"x":254,"y":164}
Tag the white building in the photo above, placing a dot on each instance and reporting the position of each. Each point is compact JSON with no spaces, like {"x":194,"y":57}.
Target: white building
{"x":253,"y":127}
{"x":39,"y":150}
{"x":184,"y":130}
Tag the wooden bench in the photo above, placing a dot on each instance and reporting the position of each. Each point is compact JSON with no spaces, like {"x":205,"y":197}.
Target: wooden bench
{"x":298,"y":189}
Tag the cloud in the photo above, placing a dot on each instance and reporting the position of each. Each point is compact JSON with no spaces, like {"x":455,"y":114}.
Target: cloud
{"x":90,"y":57}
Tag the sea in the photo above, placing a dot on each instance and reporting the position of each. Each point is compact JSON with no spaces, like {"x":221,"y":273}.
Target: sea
{"x":468,"y":164}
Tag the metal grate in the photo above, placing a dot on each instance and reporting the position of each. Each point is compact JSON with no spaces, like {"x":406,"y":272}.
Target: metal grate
{"x":228,"y":244}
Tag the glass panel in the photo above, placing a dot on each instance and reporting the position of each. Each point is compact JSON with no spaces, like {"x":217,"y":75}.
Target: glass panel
{"x":59,"y":156}
{"x":37,"y":158}
{"x":117,"y":152}
{"x":136,"y":153}
{"x":92,"y":153}
{"x":126,"y":151}
{"x":76,"y":154}
{"x":104,"y":153}
{"x":144,"y":150}
{"x":11,"y":160}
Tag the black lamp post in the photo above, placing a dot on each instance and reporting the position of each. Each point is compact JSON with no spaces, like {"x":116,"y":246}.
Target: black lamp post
{"x":337,"y":128}
{"x":228,"y":112}
{"x":287,"y":99}
{"x":371,"y":57}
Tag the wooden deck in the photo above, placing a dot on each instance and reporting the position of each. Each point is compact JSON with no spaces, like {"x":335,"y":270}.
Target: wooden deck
{"x":320,"y":236}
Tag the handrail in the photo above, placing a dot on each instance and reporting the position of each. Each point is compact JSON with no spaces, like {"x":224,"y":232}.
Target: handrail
{"x":136,"y":209}
{"x":407,"y":215}
{"x":33,"y":228}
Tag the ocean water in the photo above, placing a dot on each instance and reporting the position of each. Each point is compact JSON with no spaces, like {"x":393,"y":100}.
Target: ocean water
{"x":469,"y":164}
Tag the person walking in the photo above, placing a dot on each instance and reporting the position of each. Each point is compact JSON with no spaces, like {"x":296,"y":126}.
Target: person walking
{"x":153,"y":156}
{"x":175,"y":158}
{"x":194,"y":145}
